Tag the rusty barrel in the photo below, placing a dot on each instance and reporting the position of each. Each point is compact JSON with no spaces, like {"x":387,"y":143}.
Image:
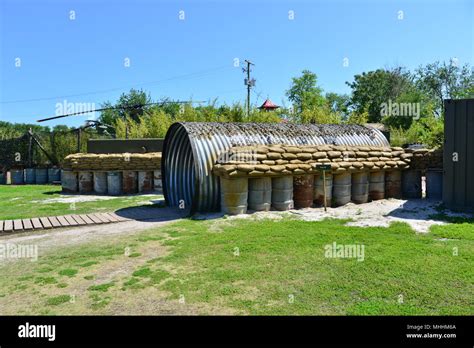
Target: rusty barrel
{"x":69,"y":181}
{"x":234,"y":195}
{"x":377,"y":185}
{"x":341,"y":189}
{"x":114,"y":183}
{"x":260,"y":194}
{"x":303,"y":191}
{"x":318,"y":192}
{"x":85,"y":182}
{"x":411,"y":184}
{"x":360,"y":187}
{"x":100,"y":183}
{"x":393,"y":184}
{"x":157,"y":183}
{"x":130,"y":184}
{"x":282,"y":193}
{"x":145,"y":181}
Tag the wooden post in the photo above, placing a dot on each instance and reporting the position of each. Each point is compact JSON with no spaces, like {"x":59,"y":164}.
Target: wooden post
{"x":324,"y":190}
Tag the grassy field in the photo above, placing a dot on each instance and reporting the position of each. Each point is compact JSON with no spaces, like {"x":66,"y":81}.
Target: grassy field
{"x":245,"y":266}
{"x":26,"y":201}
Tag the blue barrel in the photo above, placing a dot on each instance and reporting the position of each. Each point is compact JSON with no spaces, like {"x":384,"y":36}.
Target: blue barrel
{"x":3,"y":178}
{"x":114,"y":183}
{"x":30,"y":176}
{"x":54,"y":175}
{"x":41,"y":176}
{"x":434,"y":184}
{"x":17,"y":176}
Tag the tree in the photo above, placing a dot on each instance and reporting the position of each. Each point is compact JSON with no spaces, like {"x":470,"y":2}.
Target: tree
{"x":371,"y":89}
{"x":445,"y":81}
{"x":130,"y":105}
{"x":304,"y":91}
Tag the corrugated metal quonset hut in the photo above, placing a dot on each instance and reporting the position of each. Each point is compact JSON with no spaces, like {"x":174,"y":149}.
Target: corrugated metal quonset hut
{"x":190,"y":150}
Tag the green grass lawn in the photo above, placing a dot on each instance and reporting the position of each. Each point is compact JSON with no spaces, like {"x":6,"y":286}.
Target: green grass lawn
{"x":26,"y":201}
{"x":237,"y":266}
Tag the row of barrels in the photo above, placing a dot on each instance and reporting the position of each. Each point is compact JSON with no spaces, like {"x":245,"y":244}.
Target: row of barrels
{"x":31,"y":176}
{"x":112,"y":183}
{"x":304,"y":191}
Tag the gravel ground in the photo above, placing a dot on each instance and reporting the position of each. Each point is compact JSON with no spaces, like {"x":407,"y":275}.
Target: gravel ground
{"x":380,"y":213}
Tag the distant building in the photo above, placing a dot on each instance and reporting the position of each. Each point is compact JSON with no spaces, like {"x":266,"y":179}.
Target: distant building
{"x":268,"y":105}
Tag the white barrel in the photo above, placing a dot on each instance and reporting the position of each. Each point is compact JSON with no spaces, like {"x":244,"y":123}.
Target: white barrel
{"x":234,"y":195}
{"x":260,"y":194}
{"x":341,"y":189}
{"x":318,"y":193}
{"x":360,"y":187}
{"x":100,"y":182}
{"x":282,"y":193}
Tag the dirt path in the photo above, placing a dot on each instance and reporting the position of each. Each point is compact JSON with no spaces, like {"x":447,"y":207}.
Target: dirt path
{"x":57,"y":238}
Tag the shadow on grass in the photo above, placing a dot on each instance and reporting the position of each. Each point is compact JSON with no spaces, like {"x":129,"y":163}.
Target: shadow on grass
{"x":426,"y":209}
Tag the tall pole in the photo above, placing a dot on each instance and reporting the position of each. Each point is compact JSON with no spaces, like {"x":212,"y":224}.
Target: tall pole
{"x":249,"y":84}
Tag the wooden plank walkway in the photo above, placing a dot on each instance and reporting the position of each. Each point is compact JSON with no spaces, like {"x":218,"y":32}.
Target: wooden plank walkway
{"x":60,"y":221}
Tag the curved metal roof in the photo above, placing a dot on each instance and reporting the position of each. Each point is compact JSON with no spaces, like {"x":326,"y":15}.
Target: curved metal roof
{"x":190,"y":150}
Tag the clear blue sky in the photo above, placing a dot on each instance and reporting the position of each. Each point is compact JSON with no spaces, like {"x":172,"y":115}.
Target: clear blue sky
{"x":193,"y":58}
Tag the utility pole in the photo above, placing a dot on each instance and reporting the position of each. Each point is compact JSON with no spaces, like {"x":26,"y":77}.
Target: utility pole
{"x":249,"y":83}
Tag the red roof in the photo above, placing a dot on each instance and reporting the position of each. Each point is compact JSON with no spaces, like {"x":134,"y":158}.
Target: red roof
{"x":268,"y":104}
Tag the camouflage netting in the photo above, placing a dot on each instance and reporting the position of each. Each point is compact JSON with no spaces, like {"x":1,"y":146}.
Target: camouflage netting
{"x":106,"y":162}
{"x":277,"y":160}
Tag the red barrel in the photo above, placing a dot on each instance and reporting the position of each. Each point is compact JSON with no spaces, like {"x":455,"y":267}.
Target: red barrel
{"x":303,"y":191}
{"x":130,"y":185}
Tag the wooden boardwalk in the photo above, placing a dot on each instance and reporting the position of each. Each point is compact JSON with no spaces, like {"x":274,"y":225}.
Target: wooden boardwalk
{"x":59,"y":221}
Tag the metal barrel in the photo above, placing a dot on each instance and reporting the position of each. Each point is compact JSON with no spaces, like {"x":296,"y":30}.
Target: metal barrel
{"x":3,"y":178}
{"x":41,"y":176}
{"x":17,"y":176}
{"x":234,"y":195}
{"x":145,"y":181}
{"x":360,"y":187}
{"x":282,"y":193}
{"x":157,"y":183}
{"x":318,"y":193}
{"x":54,"y":175}
{"x":260,"y":194}
{"x":411,"y":184}
{"x":341,"y":189}
{"x":85,"y":182}
{"x":130,"y":184}
{"x":100,"y":182}
{"x":303,"y":191}
{"x":434,"y":184}
{"x":69,"y":181}
{"x":377,"y":185}
{"x":114,"y":183}
{"x":30,"y":176}
{"x":393,"y":184}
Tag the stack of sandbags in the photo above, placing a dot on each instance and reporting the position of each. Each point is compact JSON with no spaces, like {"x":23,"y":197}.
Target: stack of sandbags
{"x":111,"y":162}
{"x":297,"y":160}
{"x":425,"y":158}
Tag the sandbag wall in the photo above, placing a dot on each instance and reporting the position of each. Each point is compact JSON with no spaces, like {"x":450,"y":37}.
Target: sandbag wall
{"x":292,"y":179}
{"x":112,"y":174}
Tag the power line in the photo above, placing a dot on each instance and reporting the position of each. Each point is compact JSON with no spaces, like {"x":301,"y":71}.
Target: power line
{"x":119,"y":108}
{"x":201,"y":73}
